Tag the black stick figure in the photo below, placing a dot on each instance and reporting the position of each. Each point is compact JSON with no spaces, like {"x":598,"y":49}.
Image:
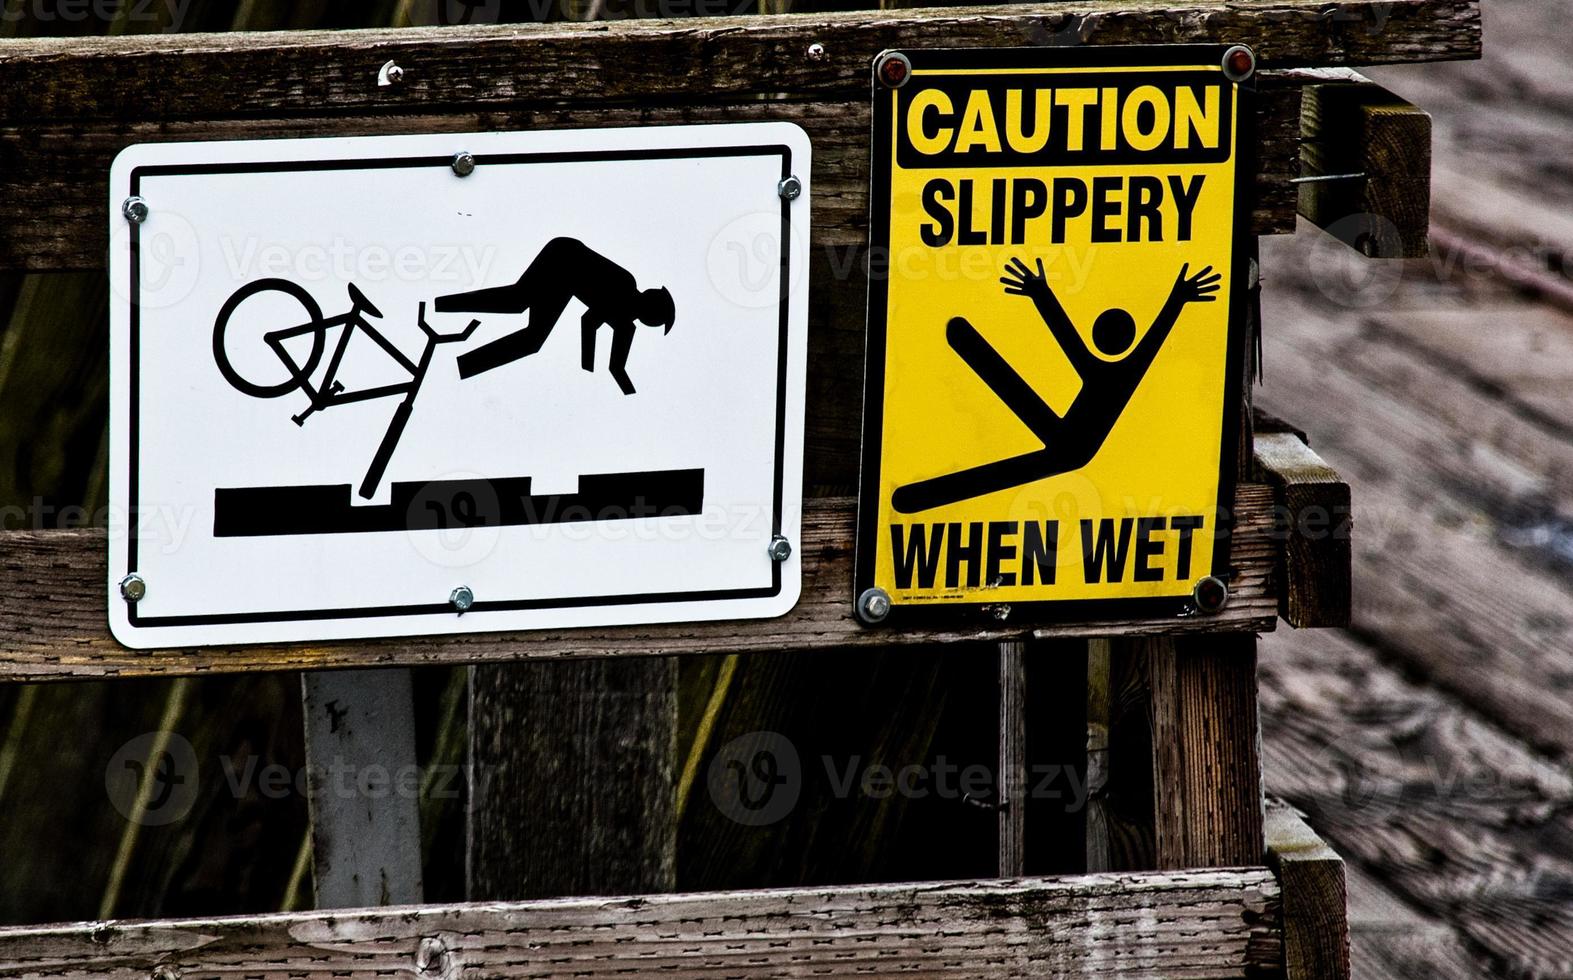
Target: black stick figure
{"x":1070,"y":441}
{"x":565,"y":269}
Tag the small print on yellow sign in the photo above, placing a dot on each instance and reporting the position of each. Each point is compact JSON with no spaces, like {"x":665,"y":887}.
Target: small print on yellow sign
{"x":1055,"y":329}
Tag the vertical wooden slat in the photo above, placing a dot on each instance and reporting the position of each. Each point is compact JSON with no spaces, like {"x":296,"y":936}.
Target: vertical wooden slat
{"x":573,"y":778}
{"x":1179,"y":773}
{"x":1123,"y":796}
{"x":1099,"y":708}
{"x":363,"y":786}
{"x":1120,"y":747}
{"x":1120,"y":810}
{"x":1013,"y":760}
{"x":1207,"y":768}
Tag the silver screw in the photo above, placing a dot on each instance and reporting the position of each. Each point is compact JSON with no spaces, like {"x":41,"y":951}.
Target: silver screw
{"x":464,"y":163}
{"x":791,"y":188}
{"x":431,"y":957}
{"x":873,"y":606}
{"x":133,"y":587}
{"x":1210,"y":594}
{"x":780,"y":548}
{"x":389,"y":74}
{"x":816,"y":52}
{"x":164,"y":972}
{"x":134,"y":209}
{"x":461,"y":598}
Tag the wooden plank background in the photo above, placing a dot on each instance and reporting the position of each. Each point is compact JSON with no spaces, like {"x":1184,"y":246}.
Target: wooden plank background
{"x":80,"y":140}
{"x":1215,"y":924}
{"x":66,"y":107}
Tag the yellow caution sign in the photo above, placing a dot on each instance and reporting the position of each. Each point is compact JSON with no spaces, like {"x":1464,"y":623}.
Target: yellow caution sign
{"x":1055,"y":332}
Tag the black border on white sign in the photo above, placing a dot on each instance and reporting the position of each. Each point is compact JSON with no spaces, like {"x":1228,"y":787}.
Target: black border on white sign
{"x":445,"y":163}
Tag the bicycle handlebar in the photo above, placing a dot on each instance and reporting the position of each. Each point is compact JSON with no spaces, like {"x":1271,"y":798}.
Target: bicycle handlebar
{"x":438,"y":338}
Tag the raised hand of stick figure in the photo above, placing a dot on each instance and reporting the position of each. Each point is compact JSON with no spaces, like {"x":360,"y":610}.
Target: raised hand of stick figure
{"x":1022,"y":281}
{"x":1199,"y":288}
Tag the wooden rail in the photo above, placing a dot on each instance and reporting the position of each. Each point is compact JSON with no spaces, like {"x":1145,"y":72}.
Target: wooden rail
{"x":1217,"y":924}
{"x":1352,"y":126}
{"x":53,"y":625}
{"x":68,"y":106}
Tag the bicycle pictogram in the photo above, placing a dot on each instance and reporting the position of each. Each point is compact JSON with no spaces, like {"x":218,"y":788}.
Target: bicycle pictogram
{"x":330,"y":392}
{"x":564,"y":270}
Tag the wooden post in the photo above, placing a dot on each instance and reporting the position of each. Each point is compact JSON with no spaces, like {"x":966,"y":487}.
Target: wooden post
{"x":573,"y":777}
{"x":362,"y":785}
{"x":1013,"y":780}
{"x":1174,"y":760}
{"x":1206,"y":752}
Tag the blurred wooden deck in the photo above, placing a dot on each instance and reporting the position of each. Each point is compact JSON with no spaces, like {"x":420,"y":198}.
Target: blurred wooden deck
{"x":1431,"y":743}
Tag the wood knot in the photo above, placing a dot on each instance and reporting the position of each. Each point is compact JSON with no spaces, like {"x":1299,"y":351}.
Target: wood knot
{"x":431,"y":958}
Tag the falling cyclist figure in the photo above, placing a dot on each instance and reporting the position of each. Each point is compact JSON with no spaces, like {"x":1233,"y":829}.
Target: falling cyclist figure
{"x":1072,"y":440}
{"x":565,"y":269}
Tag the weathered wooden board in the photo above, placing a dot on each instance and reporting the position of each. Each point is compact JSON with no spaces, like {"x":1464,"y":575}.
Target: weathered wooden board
{"x":1389,"y":939}
{"x":1206,"y":766}
{"x":1315,"y":522}
{"x":1315,"y":897}
{"x":67,"y":108}
{"x":219,"y":75}
{"x":54,"y":175}
{"x":1215,"y":924}
{"x":575,"y":787}
{"x":1013,"y":794}
{"x":1524,"y":363}
{"x":366,"y":838}
{"x":52,"y":621}
{"x":1352,"y":126}
{"x":1174,"y":768}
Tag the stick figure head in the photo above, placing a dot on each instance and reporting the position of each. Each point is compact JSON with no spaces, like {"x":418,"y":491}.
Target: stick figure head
{"x":656,"y":308}
{"x":1113,"y":332}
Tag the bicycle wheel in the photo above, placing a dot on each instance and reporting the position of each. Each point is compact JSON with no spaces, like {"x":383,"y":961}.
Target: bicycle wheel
{"x":298,"y":374}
